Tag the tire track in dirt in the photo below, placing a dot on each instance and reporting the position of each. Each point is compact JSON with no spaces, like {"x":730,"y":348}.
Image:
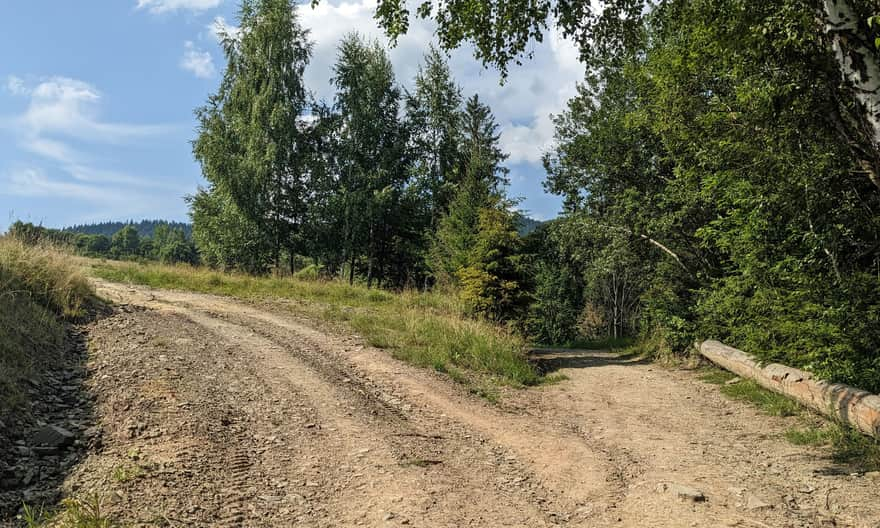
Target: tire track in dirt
{"x":566,"y":472}
{"x":381,"y":422}
{"x":601,"y":449}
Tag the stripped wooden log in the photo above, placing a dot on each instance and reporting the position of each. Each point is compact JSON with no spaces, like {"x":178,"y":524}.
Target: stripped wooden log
{"x":855,"y":407}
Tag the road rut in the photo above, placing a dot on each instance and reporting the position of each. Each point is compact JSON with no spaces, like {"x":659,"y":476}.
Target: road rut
{"x":242,"y":414}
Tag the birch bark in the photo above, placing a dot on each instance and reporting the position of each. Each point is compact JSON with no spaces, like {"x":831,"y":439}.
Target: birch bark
{"x":859,"y":65}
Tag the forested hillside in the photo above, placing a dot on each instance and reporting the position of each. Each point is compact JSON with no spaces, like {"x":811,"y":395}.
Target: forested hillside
{"x":719,"y":170}
{"x":144,"y":228}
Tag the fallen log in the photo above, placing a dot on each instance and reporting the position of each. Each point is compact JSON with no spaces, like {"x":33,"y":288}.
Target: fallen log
{"x":852,"y":406}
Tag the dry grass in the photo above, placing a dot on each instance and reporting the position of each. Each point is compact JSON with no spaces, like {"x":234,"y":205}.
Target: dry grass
{"x":39,"y":288}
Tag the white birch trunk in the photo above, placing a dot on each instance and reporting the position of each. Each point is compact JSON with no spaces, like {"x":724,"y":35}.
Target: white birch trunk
{"x":857,"y":59}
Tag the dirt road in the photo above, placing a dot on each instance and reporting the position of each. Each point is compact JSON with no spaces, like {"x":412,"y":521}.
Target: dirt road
{"x":221,"y":413}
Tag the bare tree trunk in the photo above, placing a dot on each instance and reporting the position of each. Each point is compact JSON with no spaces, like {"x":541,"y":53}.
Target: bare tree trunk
{"x":858,"y":63}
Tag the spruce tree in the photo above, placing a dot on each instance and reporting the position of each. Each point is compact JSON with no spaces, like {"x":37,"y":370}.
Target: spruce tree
{"x":482,"y":187}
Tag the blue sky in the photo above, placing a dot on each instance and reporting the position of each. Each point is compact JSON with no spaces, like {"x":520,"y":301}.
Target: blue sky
{"x":97,"y":99}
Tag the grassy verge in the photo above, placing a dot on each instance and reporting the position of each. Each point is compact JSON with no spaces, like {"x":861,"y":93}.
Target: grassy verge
{"x":421,"y":328}
{"x":39,"y":289}
{"x":748,"y":391}
{"x":847,"y":445}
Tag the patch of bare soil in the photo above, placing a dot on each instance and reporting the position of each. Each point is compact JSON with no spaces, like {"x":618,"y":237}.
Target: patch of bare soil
{"x":216,"y":412}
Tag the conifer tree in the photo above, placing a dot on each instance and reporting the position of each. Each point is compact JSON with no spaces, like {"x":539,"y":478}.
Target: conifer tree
{"x":484,"y":177}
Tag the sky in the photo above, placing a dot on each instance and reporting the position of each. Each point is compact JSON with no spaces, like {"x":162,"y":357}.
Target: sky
{"x":97,"y":100}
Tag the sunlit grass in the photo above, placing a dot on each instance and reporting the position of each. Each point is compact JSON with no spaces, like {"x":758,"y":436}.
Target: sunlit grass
{"x":74,"y":512}
{"x":749,"y":391}
{"x":38,"y":288}
{"x":423,"y":328}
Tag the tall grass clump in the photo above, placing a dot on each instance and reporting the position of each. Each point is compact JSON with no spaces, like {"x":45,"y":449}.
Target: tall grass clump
{"x":39,"y":289}
{"x":423,"y":328}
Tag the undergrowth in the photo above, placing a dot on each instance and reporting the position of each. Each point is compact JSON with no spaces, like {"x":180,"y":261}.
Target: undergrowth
{"x":422,"y":328}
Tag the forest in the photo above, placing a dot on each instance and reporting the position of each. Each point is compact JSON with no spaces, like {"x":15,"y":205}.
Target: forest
{"x":719,"y":171}
{"x":144,"y":228}
{"x":719,"y":176}
{"x":155,"y":240}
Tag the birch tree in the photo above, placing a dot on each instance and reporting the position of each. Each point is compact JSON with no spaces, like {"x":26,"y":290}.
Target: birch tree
{"x":251,"y":143}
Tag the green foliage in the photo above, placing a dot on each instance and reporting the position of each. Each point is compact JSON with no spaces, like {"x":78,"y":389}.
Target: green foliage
{"x":481,"y":187}
{"x":435,"y":120}
{"x":311,"y":272}
{"x":492,"y":283}
{"x":371,"y":155}
{"x":252,"y":143}
{"x":225,"y":238}
{"x":125,"y":243}
{"x":145,"y":228}
{"x":712,"y":168}
{"x":554,"y":313}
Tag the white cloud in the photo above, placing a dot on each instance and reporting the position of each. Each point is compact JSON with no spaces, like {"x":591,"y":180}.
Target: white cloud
{"x":61,"y":114}
{"x":164,"y":6}
{"x":15,"y":85}
{"x":35,"y":183}
{"x":64,"y":106}
{"x":196,"y":61}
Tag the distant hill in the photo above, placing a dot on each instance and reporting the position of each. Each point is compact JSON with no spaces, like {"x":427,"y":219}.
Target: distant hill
{"x":144,"y":228}
{"x":526,"y":225}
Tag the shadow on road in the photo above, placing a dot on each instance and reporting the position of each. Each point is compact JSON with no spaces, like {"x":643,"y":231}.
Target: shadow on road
{"x":548,"y":360}
{"x":44,"y":439}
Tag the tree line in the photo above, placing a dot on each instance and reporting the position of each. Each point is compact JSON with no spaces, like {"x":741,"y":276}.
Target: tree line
{"x":391,"y":187}
{"x":719,"y":172}
{"x":145,"y":228}
{"x":167,"y":243}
